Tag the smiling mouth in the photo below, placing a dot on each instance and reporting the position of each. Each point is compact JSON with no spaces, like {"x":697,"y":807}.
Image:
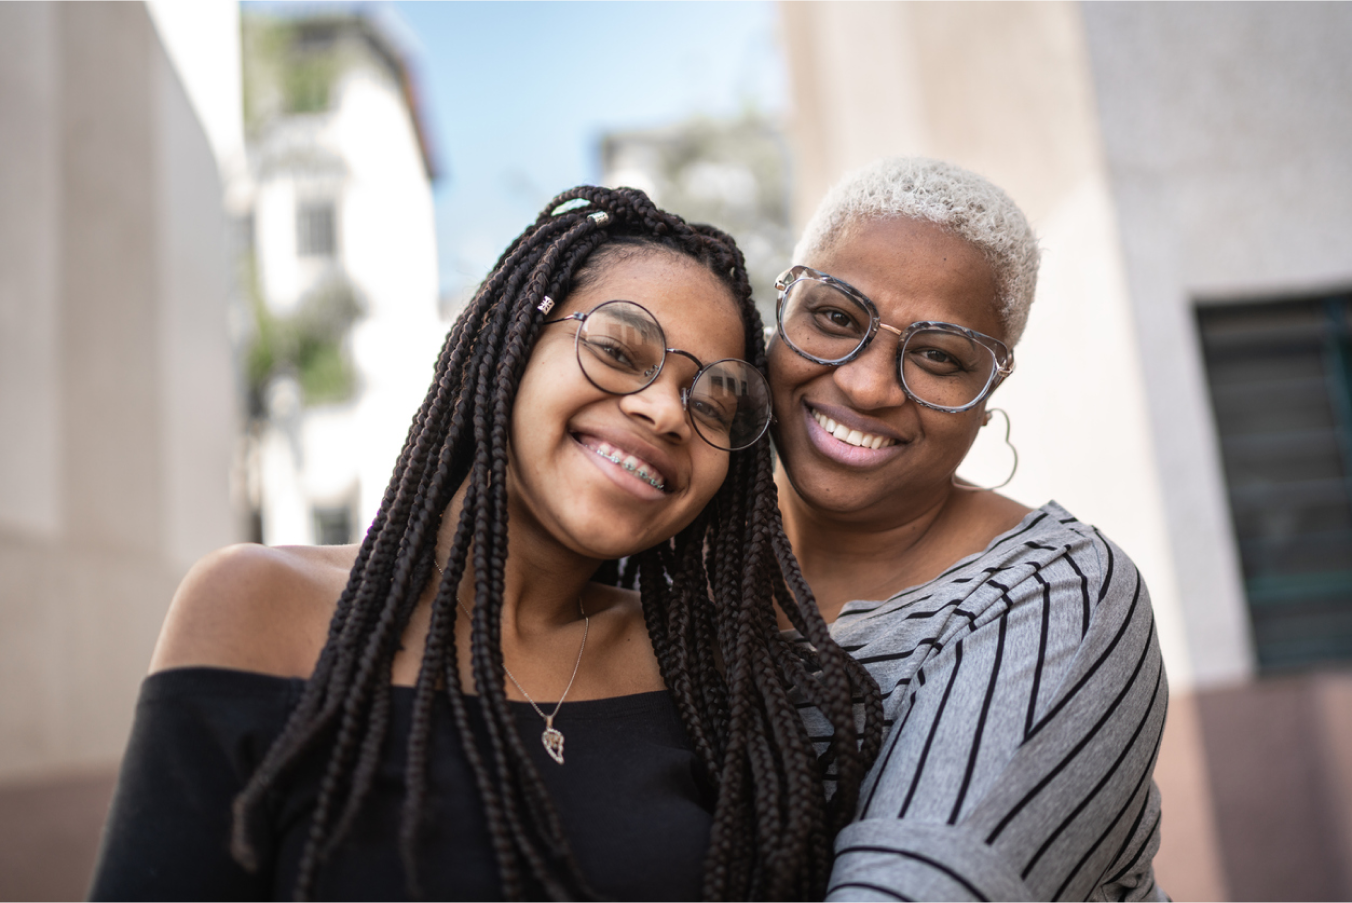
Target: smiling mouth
{"x":631,"y":463}
{"x":857,"y":438}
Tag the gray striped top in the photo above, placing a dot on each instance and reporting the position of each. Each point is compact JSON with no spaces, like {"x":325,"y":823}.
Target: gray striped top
{"x":1025,"y":695}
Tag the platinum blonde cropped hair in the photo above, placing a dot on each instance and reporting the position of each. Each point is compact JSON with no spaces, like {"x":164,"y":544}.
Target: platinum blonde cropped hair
{"x":946,"y":195}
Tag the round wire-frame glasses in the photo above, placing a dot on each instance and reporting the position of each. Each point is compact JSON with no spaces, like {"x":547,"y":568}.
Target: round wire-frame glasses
{"x":940,"y":365}
{"x":622,"y":349}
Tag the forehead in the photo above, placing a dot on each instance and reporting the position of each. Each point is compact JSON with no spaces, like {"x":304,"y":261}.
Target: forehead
{"x":697,"y":311}
{"x":914,"y":270}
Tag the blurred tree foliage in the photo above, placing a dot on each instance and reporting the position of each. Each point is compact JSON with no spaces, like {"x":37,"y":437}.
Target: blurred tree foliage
{"x":309,"y":343}
{"x":290,"y":66}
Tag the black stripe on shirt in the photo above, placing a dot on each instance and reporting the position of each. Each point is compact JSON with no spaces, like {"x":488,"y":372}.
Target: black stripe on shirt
{"x":980,"y":722}
{"x":1084,"y":741}
{"x":1041,"y":654}
{"x":932,"y":863}
{"x":1102,"y":782}
{"x":934,"y":729}
{"x":876,"y":888}
{"x":1098,"y":662}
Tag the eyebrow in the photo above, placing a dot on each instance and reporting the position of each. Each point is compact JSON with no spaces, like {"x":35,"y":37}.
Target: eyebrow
{"x":635,"y":321}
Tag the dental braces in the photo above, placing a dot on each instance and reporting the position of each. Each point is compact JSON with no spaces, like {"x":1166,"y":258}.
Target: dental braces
{"x":619,"y":459}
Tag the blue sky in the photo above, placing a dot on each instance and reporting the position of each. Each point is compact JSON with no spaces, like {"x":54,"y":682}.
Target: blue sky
{"x":517,"y":96}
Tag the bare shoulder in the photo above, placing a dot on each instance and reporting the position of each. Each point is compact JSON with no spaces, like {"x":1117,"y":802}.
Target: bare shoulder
{"x":255,"y":608}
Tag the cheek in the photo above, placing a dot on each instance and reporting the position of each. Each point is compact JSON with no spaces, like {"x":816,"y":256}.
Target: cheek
{"x":551,"y":383}
{"x":549,"y":394}
{"x":528,"y":391}
{"x":955,"y":432}
{"x":776,"y":356}
{"x":784,"y":369}
{"x":530,"y":415}
{"x":710,"y":472}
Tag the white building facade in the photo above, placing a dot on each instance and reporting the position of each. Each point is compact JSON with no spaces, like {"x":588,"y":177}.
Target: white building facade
{"x":339,"y":206}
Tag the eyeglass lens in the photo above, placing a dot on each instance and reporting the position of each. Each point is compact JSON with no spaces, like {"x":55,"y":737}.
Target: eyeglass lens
{"x":941,"y":367}
{"x":621,"y":347}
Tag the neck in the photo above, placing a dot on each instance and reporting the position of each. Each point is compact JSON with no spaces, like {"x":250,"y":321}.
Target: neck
{"x":861,"y":555}
{"x":542,"y":582}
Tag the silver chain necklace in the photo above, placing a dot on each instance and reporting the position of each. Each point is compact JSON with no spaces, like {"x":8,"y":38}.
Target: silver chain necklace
{"x":552,"y":738}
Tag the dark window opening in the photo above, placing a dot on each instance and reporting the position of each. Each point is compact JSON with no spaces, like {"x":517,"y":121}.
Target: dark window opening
{"x":314,"y":37}
{"x":1280,"y":375}
{"x":333,"y":526}
{"x":315,"y":230}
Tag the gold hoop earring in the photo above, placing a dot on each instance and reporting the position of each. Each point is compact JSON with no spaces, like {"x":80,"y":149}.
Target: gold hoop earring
{"x":1012,"y":449}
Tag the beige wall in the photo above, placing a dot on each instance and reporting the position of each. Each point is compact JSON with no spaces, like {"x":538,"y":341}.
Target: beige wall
{"x":1226,"y":129}
{"x":999,"y":85}
{"x":116,"y":386}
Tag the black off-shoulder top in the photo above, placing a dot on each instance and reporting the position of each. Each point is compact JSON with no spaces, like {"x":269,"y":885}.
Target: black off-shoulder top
{"x":631,"y":797}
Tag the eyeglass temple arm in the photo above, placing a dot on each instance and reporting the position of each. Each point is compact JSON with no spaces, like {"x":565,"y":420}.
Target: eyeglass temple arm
{"x":1008,"y":368}
{"x":698,"y":363}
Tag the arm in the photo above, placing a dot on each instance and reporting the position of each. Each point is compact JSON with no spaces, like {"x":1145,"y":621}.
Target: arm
{"x":1019,"y":765}
{"x":199,"y":732}
{"x":197,"y":735}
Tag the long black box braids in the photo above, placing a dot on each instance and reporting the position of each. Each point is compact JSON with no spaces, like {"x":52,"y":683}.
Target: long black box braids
{"x":708,"y":598}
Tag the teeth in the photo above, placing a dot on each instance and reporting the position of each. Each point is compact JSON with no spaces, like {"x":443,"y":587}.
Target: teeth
{"x":637,"y":466}
{"x":857,"y":438}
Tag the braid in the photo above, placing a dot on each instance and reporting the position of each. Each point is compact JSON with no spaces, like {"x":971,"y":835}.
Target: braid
{"x":708,"y":597}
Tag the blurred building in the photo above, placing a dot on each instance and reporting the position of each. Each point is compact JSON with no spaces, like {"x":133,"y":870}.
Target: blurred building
{"x":338,"y":257}
{"x":118,"y":411}
{"x":1186,"y":376}
{"x":734,"y":174}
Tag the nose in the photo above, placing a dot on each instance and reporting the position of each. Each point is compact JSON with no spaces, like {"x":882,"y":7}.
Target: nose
{"x":870,"y":380}
{"x":659,"y":405}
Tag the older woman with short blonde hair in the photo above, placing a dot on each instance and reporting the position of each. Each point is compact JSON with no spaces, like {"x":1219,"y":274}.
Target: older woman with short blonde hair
{"x":1015,"y":647}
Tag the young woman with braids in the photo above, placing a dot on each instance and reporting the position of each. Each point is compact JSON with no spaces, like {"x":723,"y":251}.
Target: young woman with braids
{"x":361,"y":722}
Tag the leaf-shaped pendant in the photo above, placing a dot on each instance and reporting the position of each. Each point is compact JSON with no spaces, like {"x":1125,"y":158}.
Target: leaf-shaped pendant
{"x":553,"y":741}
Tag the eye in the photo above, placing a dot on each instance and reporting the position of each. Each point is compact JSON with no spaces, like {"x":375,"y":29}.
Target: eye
{"x":613,"y":353}
{"x":836,"y":321}
{"x":836,"y":317}
{"x":710,"y":413}
{"x":713,"y":400}
{"x":935,"y":361}
{"x":934,"y":355}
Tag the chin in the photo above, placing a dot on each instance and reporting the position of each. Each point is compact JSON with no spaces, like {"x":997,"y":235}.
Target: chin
{"x":827,"y":489}
{"x":612,"y":550}
{"x":842,"y":503}
{"x":614,"y":537}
